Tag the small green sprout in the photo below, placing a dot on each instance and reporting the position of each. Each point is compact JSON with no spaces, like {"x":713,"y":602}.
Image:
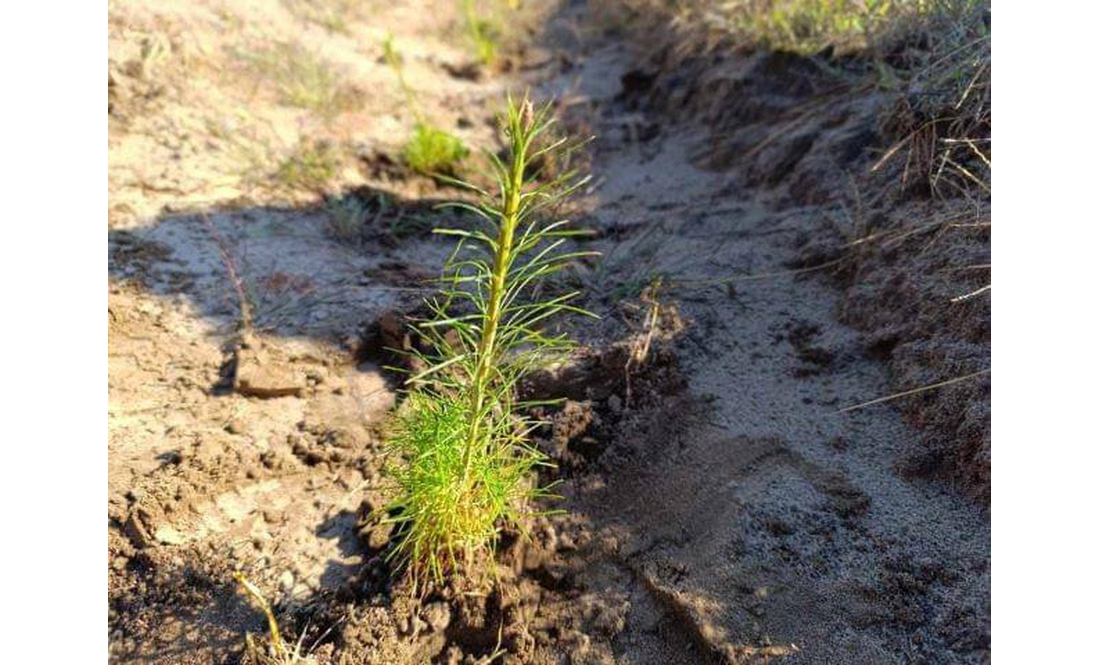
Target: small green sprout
{"x":483,"y":34}
{"x":430,"y":151}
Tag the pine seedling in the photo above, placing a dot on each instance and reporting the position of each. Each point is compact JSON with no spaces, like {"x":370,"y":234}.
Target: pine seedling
{"x":468,"y":461}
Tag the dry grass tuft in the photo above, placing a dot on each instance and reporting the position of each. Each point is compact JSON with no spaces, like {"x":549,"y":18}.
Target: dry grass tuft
{"x":943,"y":117}
{"x":934,"y":54}
{"x":303,"y":79}
{"x":799,"y":26}
{"x":345,"y":219}
{"x":310,"y":167}
{"x":805,"y":27}
{"x":332,"y":15}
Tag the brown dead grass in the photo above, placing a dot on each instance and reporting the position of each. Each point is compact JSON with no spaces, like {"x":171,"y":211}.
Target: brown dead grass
{"x":934,"y":57}
{"x":302,"y":78}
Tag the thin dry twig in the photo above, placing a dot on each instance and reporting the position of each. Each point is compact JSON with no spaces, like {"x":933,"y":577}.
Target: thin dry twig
{"x":968,"y":296}
{"x":640,"y":352}
{"x":234,"y":274}
{"x":914,"y":391}
{"x":751,"y":278}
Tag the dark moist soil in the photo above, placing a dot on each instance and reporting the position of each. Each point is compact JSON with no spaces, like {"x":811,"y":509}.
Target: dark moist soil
{"x":717,"y":507}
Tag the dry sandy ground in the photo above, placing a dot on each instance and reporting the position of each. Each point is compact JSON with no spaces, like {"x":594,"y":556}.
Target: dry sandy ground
{"x":718,"y":507}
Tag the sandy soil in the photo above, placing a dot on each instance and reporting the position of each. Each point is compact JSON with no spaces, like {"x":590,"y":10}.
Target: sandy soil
{"x":718,"y":506}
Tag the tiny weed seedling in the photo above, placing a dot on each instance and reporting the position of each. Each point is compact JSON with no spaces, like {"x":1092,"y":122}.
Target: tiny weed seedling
{"x":468,"y":464}
{"x":430,"y":151}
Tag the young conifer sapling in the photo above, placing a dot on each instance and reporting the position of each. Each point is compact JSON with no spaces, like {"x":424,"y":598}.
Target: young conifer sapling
{"x":467,"y":464}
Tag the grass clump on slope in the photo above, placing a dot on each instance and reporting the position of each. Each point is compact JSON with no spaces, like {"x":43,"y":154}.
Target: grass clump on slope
{"x":430,"y":151}
{"x":467,"y":463}
{"x":433,"y":151}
